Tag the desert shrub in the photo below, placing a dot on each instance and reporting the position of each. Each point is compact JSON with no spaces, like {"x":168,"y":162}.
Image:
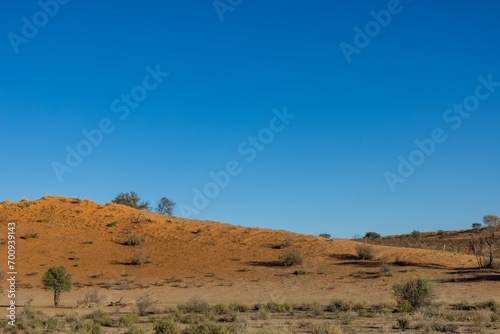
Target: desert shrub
{"x":288,"y":242}
{"x":404,"y":323}
{"x":417,"y":291}
{"x":292,"y":257}
{"x":339,"y":305}
{"x":365,"y":252}
{"x":417,"y":235}
{"x":327,"y":328}
{"x":195,"y":305}
{"x":30,"y":235}
{"x":491,"y":304}
{"x":386,"y":269}
{"x":325,"y":235}
{"x":279,"y":308}
{"x":99,"y":317}
{"x":264,"y":314}
{"x":167,"y":327}
{"x":238,"y":307}
{"x":128,"y":319}
{"x":136,"y":240}
{"x":299,"y":272}
{"x":92,"y":297}
{"x":220,"y":308}
{"x":135,"y":330}
{"x":145,"y":305}
{"x":464,"y":305}
{"x":372,"y":235}
{"x":86,"y":326}
{"x":210,"y":327}
{"x":476,"y":226}
{"x":89,"y":242}
{"x":140,"y":257}
{"x":113,"y":224}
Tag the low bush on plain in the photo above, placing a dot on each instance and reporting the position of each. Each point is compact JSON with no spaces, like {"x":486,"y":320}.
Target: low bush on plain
{"x":416,"y":291}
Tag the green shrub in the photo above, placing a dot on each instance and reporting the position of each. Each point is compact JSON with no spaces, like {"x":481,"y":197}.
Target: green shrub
{"x":195,"y":305}
{"x":167,"y":327}
{"x":128,"y":319}
{"x":113,"y":224}
{"x":299,"y":272}
{"x":135,"y":330}
{"x":476,"y":226}
{"x":416,"y":235}
{"x":365,"y":252}
{"x":339,"y":305}
{"x":292,"y":257}
{"x":327,"y":328}
{"x":372,"y":235}
{"x":99,"y":317}
{"x":210,"y":327}
{"x":90,"y":242}
{"x":417,"y":291}
{"x":325,"y":235}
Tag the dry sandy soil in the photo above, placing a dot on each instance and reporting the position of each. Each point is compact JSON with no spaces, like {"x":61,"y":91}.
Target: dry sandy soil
{"x":210,"y":260}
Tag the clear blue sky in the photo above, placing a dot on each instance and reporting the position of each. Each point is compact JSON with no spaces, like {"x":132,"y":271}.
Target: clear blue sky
{"x":324,"y":172}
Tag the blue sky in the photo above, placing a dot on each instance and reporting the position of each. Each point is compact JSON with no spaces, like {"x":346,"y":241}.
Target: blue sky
{"x":325,"y":171}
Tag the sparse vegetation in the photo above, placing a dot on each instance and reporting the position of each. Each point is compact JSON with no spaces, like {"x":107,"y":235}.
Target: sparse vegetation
{"x":113,"y":224}
{"x":325,"y":235}
{"x":386,"y":269}
{"x":416,"y":291}
{"x":30,"y":235}
{"x":92,"y":297}
{"x":365,"y":252}
{"x":292,"y":256}
{"x":299,"y":272}
{"x":288,"y":242}
{"x":140,"y":257}
{"x":136,"y":240}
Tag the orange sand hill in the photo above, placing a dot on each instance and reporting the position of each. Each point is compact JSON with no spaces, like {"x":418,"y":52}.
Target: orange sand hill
{"x":219,"y":262}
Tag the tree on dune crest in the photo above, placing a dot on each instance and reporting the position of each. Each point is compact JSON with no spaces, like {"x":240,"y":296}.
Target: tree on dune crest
{"x":132,"y":200}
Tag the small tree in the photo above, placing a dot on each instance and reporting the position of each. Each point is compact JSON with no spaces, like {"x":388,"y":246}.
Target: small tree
{"x":165,"y":206}
{"x":476,"y":226}
{"x":483,"y":247}
{"x":131,"y":200}
{"x":416,"y":235}
{"x":372,"y":235}
{"x":57,"y":280}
